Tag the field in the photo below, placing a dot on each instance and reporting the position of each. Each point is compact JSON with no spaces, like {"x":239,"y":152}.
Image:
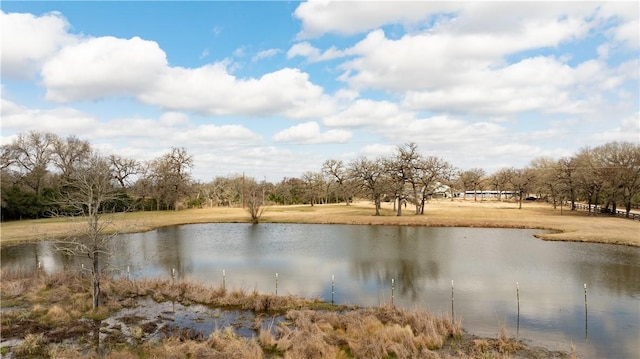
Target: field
{"x":566,"y":225}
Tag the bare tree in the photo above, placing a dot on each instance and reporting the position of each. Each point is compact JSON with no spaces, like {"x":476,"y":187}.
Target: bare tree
{"x":255,"y":199}
{"x":67,"y":154}
{"x":500,"y":180}
{"x":170,"y":178}
{"x":313,"y":183}
{"x":473,"y":179}
{"x":521,"y":181}
{"x":123,"y":169}
{"x":88,"y":189}
{"x":431,"y":171}
{"x":371,"y":177}
{"x":337,"y":170}
{"x":620,"y":162}
{"x":31,"y":153}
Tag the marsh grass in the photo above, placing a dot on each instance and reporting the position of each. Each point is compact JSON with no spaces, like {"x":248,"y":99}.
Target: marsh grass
{"x":59,"y":323}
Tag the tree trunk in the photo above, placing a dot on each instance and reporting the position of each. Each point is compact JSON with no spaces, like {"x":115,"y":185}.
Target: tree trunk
{"x":399,"y":207}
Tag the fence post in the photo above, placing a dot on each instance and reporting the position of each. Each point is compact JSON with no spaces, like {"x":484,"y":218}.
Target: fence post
{"x":392,"y":288}
{"x":453,"y":316}
{"x":224,"y":280}
{"x":585,"y":313}
{"x":518,"y":299}
{"x":276,"y":283}
{"x":333,"y":284}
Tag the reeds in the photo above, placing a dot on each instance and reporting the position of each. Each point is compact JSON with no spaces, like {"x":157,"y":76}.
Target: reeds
{"x":57,"y":308}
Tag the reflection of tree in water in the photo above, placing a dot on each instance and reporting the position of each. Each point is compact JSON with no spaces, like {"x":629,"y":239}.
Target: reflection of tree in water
{"x":398,"y":253}
{"x":171,"y":253}
{"x":621,"y":277}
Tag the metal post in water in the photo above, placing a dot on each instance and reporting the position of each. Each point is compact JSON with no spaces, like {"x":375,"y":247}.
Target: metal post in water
{"x":518,"y":299}
{"x":392,"y":288}
{"x":585,"y":312}
{"x":173,"y":274}
{"x":276,"y":283}
{"x":128,"y":273}
{"x":333,"y":284}
{"x":224,"y":280}
{"x":452,"y":309}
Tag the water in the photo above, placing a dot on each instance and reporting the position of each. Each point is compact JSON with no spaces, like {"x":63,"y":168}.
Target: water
{"x":484,"y":264}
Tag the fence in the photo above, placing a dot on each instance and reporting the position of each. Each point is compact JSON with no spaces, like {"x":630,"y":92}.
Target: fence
{"x":598,"y":209}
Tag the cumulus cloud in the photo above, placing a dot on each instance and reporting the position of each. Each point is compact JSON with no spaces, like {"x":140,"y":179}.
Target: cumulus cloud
{"x":351,"y":17}
{"x":29,"y":40}
{"x":103,"y":66}
{"x":309,"y":132}
{"x":63,"y":121}
{"x":213,"y":90}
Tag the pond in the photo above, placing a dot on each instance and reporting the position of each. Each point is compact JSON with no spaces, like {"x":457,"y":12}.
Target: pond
{"x":502,"y":278}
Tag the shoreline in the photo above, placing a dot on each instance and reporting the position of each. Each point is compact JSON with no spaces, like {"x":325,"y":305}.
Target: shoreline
{"x":570,"y":226}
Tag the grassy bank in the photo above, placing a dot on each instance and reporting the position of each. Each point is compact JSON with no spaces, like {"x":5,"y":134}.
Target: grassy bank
{"x":567,"y":226}
{"x":51,"y":316}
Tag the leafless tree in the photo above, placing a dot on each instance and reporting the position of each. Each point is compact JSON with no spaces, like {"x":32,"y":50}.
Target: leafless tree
{"x":567,"y":176}
{"x":371,"y":177}
{"x":547,"y":182}
{"x":67,"y":154}
{"x":337,"y":171}
{"x":521,"y":181}
{"x":88,"y":189}
{"x":31,"y":154}
{"x":170,"y":178}
{"x":620,"y":162}
{"x":500,"y":180}
{"x":313,"y":184}
{"x":255,"y":199}
{"x":123,"y":169}
{"x":472,"y":180}
{"x":431,"y":172}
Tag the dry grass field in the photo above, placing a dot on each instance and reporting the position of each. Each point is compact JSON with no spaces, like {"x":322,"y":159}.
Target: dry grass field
{"x":567,"y":226}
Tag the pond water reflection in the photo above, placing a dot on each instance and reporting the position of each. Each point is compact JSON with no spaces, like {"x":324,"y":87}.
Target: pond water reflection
{"x":485,"y":265}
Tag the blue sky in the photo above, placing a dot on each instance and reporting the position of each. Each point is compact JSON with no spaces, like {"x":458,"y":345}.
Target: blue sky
{"x":275,"y":88}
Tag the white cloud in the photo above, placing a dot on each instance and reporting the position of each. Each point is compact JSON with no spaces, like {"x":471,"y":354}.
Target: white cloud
{"x":265,"y":54}
{"x":351,"y":17}
{"x":104,"y":66}
{"x":173,"y":118}
{"x":309,"y":132}
{"x":63,"y":121}
{"x":213,"y":135}
{"x":212,"y":90}
{"x":28,"y":40}
{"x":313,"y":54}
{"x":366,"y":112}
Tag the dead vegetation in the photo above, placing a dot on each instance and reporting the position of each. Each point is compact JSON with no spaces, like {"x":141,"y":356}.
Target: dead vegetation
{"x":52,"y":316}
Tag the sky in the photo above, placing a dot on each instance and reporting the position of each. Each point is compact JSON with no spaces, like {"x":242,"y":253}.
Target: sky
{"x":272,"y":89}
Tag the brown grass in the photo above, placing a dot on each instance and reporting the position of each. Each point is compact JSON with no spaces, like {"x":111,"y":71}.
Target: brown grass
{"x":48,"y":317}
{"x":570,"y":226}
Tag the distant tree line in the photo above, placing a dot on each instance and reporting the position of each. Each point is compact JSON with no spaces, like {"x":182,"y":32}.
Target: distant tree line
{"x":37,"y":166}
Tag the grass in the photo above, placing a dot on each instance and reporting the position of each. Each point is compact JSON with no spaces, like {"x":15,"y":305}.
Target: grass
{"x":52,"y":324}
{"x":568,"y":226}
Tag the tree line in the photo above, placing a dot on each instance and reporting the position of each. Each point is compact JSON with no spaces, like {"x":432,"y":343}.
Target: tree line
{"x":39,"y":169}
